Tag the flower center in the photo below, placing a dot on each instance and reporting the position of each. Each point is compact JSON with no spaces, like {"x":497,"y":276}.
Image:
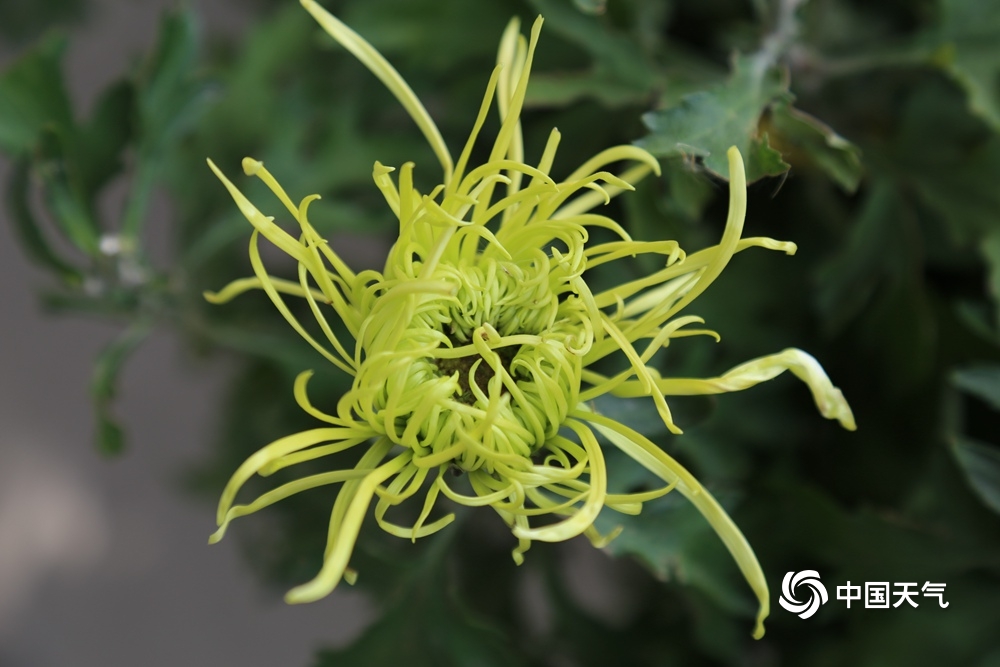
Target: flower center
{"x":485,"y":373}
{"x":481,"y":376}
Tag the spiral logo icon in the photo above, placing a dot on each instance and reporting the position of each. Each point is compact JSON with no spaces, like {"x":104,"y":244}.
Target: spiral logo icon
{"x":806,"y":579}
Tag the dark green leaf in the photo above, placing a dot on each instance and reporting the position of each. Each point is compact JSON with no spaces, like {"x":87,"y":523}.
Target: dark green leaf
{"x":949,"y":160}
{"x":981,"y":381}
{"x":705,"y":124}
{"x":549,"y":89}
{"x":427,"y":625}
{"x":30,"y":233}
{"x":981,"y":464}
{"x":673,"y":540}
{"x":979,"y":318}
{"x":990,"y":248}
{"x":168,"y":96}
{"x":167,"y":83}
{"x":439,"y":633}
{"x":969,"y":50}
{"x":62,"y":194}
{"x":848,"y":280}
{"x":33,"y":97}
{"x":802,"y":138}
{"x":109,"y":436}
{"x":689,"y":191}
{"x":103,"y":139}
{"x":290,"y":353}
{"x":104,"y":387}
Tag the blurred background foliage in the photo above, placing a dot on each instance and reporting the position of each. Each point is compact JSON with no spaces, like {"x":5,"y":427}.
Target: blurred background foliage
{"x":872,"y":134}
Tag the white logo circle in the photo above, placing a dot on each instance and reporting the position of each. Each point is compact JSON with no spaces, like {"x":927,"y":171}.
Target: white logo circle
{"x":817,"y":593}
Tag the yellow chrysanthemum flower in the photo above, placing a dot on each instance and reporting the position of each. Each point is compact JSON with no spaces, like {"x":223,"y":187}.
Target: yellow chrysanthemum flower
{"x":473,"y":349}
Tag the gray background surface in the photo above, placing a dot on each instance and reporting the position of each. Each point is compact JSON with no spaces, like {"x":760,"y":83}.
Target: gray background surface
{"x":106,"y":563}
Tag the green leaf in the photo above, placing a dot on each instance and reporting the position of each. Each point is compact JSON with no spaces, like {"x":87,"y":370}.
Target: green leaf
{"x":982,"y":381}
{"x":803,"y":138}
{"x":949,"y":160}
{"x":439,"y":633}
{"x":33,"y":97}
{"x":978,"y":318}
{"x":290,"y":353}
{"x":30,"y":233}
{"x":981,"y":464}
{"x":849,"y":278}
{"x":168,"y":96}
{"x":62,"y":194}
{"x":426,"y":625}
{"x":673,"y":540}
{"x":102,"y":140}
{"x":104,"y":387}
{"x":970,"y":52}
{"x":875,"y":283}
{"x":706,"y":123}
{"x":990,"y":248}
{"x":167,"y":84}
{"x":553,"y":89}
{"x":689,"y":191}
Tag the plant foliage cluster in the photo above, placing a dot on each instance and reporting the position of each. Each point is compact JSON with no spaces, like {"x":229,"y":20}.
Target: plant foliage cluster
{"x":872,"y":132}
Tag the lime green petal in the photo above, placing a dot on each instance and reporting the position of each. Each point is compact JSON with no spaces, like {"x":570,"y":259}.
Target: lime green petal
{"x":336,"y":561}
{"x":484,"y":108}
{"x":279,"y":303}
{"x":828,"y":398}
{"x":272,"y":452}
{"x":587,"y":201}
{"x":370,"y":459}
{"x":282,"y":492}
{"x":242,"y":285}
{"x":582,"y":519}
{"x":262,"y":223}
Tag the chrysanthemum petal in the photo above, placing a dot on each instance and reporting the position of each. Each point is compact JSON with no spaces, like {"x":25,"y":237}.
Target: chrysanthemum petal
{"x":829,"y":399}
{"x":336,"y":561}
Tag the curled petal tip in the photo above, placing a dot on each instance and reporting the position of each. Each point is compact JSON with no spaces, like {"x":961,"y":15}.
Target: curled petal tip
{"x":251,"y":166}
{"x":299,"y":594}
{"x":838,"y":409}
